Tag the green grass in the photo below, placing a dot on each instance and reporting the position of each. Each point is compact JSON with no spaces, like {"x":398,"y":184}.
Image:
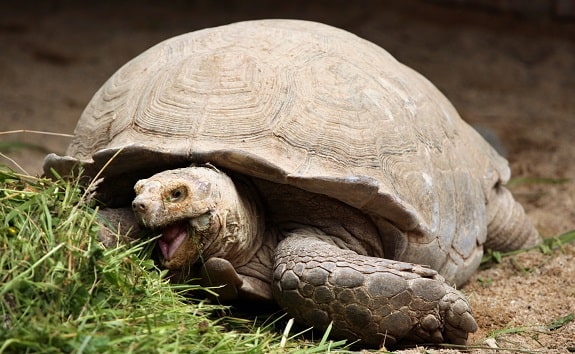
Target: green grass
{"x":61,"y":291}
{"x":548,"y":246}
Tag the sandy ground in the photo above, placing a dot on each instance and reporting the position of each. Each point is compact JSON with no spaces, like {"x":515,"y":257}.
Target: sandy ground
{"x":515,"y":76}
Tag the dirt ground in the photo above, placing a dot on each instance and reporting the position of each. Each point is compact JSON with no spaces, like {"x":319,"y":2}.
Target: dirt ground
{"x":514,"y":75}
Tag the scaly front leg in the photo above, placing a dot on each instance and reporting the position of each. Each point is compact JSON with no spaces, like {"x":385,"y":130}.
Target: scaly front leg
{"x":118,"y":225}
{"x":230,"y":285}
{"x":376,"y":300}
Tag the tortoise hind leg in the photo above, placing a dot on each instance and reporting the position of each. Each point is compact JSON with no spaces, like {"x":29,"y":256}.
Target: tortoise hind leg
{"x":508,"y":227}
{"x":378,"y":301}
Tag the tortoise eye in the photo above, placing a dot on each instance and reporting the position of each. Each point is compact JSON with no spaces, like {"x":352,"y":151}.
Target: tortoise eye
{"x":178,"y":194}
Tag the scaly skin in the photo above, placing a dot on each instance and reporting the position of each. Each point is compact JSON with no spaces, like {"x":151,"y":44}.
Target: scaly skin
{"x":376,"y":300}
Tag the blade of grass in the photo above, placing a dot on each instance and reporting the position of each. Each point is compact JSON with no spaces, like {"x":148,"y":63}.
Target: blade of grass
{"x":36,"y":132}
{"x":560,"y":322}
{"x":547,"y":246}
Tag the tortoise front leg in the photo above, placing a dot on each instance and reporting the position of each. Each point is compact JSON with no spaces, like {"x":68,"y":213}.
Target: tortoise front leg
{"x":118,"y":225}
{"x":378,"y":301}
{"x":230,"y":285}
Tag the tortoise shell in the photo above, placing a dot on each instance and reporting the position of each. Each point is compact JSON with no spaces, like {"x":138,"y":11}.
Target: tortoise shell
{"x":303,"y":104}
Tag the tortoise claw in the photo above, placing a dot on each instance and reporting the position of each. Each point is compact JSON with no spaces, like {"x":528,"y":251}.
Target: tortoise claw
{"x":457,"y":315}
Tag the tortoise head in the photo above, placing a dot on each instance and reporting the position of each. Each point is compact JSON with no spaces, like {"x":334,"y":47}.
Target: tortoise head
{"x":187,"y":207}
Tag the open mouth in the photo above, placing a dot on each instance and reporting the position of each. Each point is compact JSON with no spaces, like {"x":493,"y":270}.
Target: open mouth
{"x":172,"y":238}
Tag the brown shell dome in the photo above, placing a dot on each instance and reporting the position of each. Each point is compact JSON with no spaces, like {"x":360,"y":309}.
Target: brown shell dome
{"x":304,"y":104}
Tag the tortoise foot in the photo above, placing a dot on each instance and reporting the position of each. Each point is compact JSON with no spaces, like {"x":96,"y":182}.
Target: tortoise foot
{"x":375,"y":300}
{"x":456,"y":312}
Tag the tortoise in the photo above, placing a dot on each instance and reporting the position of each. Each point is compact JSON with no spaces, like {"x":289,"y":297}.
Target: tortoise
{"x":295,"y":163}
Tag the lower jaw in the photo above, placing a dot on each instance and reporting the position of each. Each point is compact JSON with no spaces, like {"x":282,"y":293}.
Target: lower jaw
{"x":180,"y":260}
{"x":175,"y":264}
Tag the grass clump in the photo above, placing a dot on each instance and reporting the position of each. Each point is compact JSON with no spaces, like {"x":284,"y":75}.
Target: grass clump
{"x":62,"y":291}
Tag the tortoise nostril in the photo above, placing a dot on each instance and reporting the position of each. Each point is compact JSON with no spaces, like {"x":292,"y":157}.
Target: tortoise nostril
{"x":138,"y":206}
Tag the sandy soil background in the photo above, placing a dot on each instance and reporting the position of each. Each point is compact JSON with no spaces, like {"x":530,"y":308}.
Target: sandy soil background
{"x":514,"y":75}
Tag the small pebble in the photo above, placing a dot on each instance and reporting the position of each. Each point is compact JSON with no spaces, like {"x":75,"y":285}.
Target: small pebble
{"x":491,"y":343}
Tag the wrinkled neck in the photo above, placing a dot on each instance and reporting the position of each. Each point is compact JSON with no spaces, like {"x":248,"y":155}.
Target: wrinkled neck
{"x":242,"y":224}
